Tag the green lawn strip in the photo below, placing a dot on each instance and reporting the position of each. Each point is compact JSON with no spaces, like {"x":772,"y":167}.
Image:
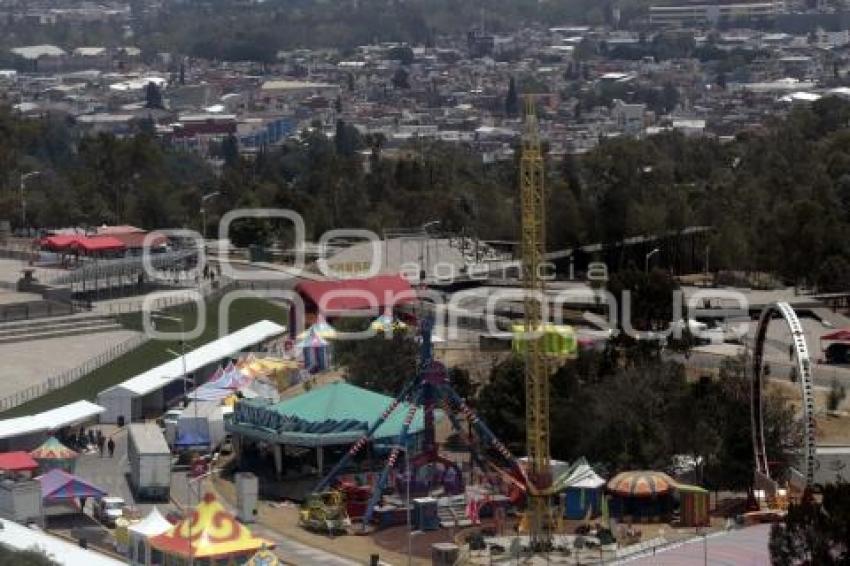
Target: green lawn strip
{"x":243,"y":312}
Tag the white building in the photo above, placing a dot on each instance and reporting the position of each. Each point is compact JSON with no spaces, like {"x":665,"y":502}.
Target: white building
{"x":713,"y":12}
{"x":629,"y":118}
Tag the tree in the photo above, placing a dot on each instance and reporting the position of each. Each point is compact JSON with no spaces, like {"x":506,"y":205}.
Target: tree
{"x":512,"y":99}
{"x":347,"y":140}
{"x":401,"y":79}
{"x":834,"y":274}
{"x":33,"y":557}
{"x":403,"y":54}
{"x":836,"y":395}
{"x":501,"y":403}
{"x":814,"y":533}
{"x":230,"y":151}
{"x":153,"y":96}
{"x":381,"y":363}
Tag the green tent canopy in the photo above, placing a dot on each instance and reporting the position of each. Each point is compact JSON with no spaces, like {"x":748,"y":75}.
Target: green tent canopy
{"x":337,"y":413}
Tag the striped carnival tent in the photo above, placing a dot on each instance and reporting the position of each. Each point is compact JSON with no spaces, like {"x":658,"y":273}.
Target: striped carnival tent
{"x":53,"y":454}
{"x":641,"y":484}
{"x":642,"y":495}
{"x":58,"y":486}
{"x":315,"y":351}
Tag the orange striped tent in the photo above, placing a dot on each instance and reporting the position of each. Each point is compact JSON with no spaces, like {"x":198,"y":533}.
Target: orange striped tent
{"x":641,"y":484}
{"x":642,"y":496}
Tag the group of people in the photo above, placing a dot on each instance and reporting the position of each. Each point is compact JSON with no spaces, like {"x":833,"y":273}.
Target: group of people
{"x":83,"y":439}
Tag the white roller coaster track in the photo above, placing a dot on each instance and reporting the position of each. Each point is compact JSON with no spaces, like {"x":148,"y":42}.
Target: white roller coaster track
{"x":804,"y":371}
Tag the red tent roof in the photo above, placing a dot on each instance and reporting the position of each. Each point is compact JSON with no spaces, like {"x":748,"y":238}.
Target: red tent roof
{"x":58,"y":243}
{"x":842,"y":335}
{"x":17,"y":462}
{"x":356,"y":294}
{"x":85,"y":243}
{"x":99,"y":244}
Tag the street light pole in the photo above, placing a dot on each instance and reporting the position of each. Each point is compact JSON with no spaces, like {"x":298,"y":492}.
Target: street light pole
{"x":646,"y":259}
{"x":23,"y":179}
{"x":158,"y":316}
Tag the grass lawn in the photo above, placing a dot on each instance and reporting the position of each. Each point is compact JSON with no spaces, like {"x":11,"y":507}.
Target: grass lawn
{"x":154,"y":352}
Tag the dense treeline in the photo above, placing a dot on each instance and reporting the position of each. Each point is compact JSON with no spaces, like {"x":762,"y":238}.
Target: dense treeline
{"x":642,"y":413}
{"x":778,"y":198}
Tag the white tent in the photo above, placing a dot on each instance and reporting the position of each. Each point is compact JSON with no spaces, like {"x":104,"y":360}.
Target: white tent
{"x":14,"y":431}
{"x":152,"y":525}
{"x":119,"y":399}
{"x":582,"y":476}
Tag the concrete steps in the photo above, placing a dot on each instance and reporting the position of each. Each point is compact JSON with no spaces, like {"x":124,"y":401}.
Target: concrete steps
{"x":25,"y":331}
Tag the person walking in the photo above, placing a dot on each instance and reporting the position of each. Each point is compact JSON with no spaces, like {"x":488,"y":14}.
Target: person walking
{"x":111,"y":447}
{"x":100,"y":444}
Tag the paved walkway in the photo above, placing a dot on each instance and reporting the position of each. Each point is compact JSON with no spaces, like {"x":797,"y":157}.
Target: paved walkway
{"x":744,"y":547}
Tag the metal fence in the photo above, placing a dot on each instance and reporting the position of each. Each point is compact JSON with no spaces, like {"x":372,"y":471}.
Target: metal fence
{"x":105,"y":269}
{"x":39,"y":309}
{"x":70,"y":376}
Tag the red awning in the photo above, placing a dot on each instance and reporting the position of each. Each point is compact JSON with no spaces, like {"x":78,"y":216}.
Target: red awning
{"x":356,"y":294}
{"x":17,"y":462}
{"x":86,"y":244}
{"x":99,"y":244}
{"x":842,"y":335}
{"x":59,"y":243}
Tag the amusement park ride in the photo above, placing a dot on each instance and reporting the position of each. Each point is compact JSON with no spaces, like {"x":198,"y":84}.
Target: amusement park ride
{"x":430,"y":389}
{"x":803,"y":367}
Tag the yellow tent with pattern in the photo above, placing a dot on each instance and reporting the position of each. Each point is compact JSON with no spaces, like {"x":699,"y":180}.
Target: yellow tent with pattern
{"x":209,"y":532}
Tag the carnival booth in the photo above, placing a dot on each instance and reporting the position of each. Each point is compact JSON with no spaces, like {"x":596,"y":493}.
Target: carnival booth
{"x":693,"y":505}
{"x":54,"y":455}
{"x":18,"y":463}
{"x":210,"y":535}
{"x":316,"y":352}
{"x":140,"y":551}
{"x":583,"y":491}
{"x":66,"y":491}
{"x":642,"y":496}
